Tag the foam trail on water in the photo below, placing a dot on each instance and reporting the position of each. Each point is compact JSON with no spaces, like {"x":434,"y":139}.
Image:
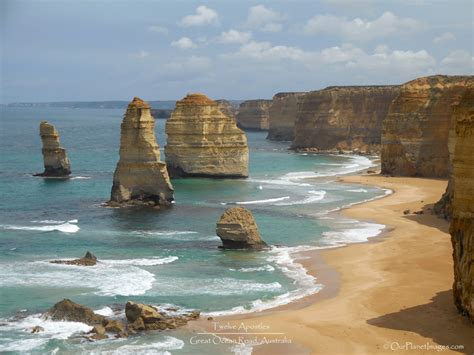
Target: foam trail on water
{"x":141,"y":262}
{"x":67,"y":227}
{"x":256,"y":202}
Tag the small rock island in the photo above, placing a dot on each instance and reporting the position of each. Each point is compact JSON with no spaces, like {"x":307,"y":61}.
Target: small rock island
{"x":140,"y":178}
{"x":56,"y":162}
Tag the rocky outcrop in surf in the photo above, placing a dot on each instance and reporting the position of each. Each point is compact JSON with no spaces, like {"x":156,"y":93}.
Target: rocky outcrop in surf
{"x":416,"y":130}
{"x":462,"y":225}
{"x":140,"y":178}
{"x":342,"y":118}
{"x":238,"y":230}
{"x":67,"y":310}
{"x":282,"y":115}
{"x":253,"y":115}
{"x":87,"y":260}
{"x":56,"y":162}
{"x":203,"y":141}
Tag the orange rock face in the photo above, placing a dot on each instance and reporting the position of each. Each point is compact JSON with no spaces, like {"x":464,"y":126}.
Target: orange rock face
{"x":282,"y":115}
{"x":462,"y":225}
{"x":416,"y":130}
{"x":253,"y":115}
{"x":342,"y":118}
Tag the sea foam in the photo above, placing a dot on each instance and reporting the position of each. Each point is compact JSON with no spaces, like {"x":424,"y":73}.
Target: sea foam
{"x":60,"y":226}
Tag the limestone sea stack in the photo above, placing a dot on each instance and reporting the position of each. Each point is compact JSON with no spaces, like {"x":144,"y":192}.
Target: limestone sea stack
{"x":140,"y":177}
{"x":253,"y":115}
{"x":282,"y":115}
{"x":416,"y":130}
{"x":238,"y":230}
{"x":56,"y":162}
{"x":226,"y":108}
{"x":203,"y":141}
{"x":462,"y":225}
{"x":342,"y":118}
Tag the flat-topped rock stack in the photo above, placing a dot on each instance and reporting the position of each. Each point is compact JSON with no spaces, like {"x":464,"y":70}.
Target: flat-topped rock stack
{"x":140,"y":178}
{"x":226,"y":108}
{"x":462,"y":225}
{"x":342,"y":118}
{"x":282,"y":115}
{"x":253,"y":115}
{"x":416,"y":130}
{"x":203,"y":141}
{"x":56,"y":162}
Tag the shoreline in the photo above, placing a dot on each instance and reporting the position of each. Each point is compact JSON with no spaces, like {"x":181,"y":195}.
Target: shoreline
{"x":377,"y":295}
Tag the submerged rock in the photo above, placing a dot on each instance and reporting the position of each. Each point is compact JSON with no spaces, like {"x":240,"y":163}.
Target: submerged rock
{"x":462,"y":225}
{"x":56,"y":162}
{"x":203,"y":141}
{"x":238,"y":230}
{"x":140,"y":178}
{"x":87,"y":260}
{"x":253,"y":115}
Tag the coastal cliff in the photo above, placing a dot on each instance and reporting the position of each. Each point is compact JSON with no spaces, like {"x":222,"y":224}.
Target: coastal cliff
{"x":347,"y":118}
{"x":253,"y":115}
{"x":56,"y":162}
{"x":203,"y":141}
{"x":282,"y":115}
{"x":226,"y":108}
{"x":416,"y":130}
{"x":140,"y":176}
{"x":462,"y":225}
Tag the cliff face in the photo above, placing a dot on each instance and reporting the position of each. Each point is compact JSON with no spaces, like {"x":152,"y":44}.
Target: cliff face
{"x":416,"y":129}
{"x":344,"y":117}
{"x":226,"y":108}
{"x":56,"y":162}
{"x":462,"y":225}
{"x":140,"y":176}
{"x":202,"y":141}
{"x":253,"y":115}
{"x":282,"y":115}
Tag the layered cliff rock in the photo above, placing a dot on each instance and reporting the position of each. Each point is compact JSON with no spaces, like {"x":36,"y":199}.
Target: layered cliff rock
{"x":56,"y":162}
{"x":140,"y":176}
{"x":416,"y":129}
{"x":253,"y":115}
{"x":462,"y":225}
{"x":342,"y":118}
{"x":238,"y":230}
{"x":282,"y":115}
{"x":202,"y":141}
{"x":226,"y":108}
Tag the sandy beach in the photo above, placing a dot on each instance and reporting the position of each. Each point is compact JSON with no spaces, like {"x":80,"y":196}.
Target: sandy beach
{"x":390,"y":295}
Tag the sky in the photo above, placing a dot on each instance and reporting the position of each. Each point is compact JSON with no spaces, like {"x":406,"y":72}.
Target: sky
{"x":67,"y":50}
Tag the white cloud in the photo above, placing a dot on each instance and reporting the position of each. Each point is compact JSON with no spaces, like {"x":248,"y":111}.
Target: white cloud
{"x":204,"y":16}
{"x":360,"y":29}
{"x":158,"y":29}
{"x":264,"y":19}
{"x":445,"y":37}
{"x":458,"y":62}
{"x":141,"y":54}
{"x":184,"y":43}
{"x":234,"y":36}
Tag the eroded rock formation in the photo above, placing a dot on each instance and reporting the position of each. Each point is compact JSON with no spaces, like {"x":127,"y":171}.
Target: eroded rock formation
{"x":226,"y":108}
{"x":347,"y":118}
{"x":416,"y":129}
{"x":67,"y":310}
{"x":238,"y":230}
{"x":203,"y":141}
{"x":140,"y":177}
{"x":87,"y":260}
{"x":56,"y":162}
{"x":253,"y":115}
{"x":282,"y":115}
{"x":462,"y":225}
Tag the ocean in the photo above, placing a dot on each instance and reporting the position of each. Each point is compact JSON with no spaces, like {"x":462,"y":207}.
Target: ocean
{"x":155,"y":257}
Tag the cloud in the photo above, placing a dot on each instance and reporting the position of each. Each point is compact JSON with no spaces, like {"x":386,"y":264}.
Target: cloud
{"x":445,"y":37}
{"x":158,"y":29}
{"x":458,"y":62}
{"x":264,"y":19}
{"x":142,"y":54}
{"x":234,"y":36}
{"x":204,"y":16}
{"x":184,"y":43}
{"x":359,"y":29}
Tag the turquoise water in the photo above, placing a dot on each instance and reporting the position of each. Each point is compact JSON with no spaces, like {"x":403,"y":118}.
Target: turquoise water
{"x":168,"y":257}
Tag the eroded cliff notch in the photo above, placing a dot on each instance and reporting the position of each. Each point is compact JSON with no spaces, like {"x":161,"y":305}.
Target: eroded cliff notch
{"x":203,"y":141}
{"x":140,"y":178}
{"x":56,"y":162}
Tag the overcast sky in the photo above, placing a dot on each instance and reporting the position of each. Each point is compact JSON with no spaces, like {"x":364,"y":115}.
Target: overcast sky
{"x":160,"y":50}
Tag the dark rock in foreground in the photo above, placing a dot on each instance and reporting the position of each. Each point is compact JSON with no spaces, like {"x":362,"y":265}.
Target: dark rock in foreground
{"x":87,"y":260}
